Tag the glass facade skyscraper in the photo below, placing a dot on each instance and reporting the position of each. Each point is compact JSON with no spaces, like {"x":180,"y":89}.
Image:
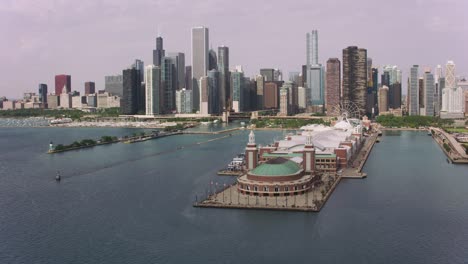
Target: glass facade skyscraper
{"x":413,"y":91}
{"x":200,"y":43}
{"x":223,"y":67}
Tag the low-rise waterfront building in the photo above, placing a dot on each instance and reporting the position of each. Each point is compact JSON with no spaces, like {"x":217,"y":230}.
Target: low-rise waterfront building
{"x":76,"y":102}
{"x":91,"y":100}
{"x":53,"y":101}
{"x":65,"y":100}
{"x":293,"y":165}
{"x":8,"y":105}
{"x":107,"y":100}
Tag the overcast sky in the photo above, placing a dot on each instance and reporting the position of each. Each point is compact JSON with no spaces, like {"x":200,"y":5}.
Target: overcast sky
{"x":89,"y":39}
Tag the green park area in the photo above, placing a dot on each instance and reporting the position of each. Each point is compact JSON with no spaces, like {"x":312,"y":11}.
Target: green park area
{"x":285,"y":123}
{"x":85,"y":143}
{"x":456,"y":130}
{"x":412,"y":121}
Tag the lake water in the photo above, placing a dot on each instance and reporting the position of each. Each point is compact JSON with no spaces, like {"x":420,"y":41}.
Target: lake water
{"x":132,"y":203}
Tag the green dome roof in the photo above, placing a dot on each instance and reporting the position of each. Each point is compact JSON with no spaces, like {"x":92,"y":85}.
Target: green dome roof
{"x":276,"y":167}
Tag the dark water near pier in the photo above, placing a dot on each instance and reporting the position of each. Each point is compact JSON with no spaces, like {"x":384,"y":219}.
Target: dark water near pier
{"x":131,"y":203}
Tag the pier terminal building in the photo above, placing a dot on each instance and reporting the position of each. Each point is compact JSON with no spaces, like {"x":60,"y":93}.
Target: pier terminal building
{"x":295,"y":164}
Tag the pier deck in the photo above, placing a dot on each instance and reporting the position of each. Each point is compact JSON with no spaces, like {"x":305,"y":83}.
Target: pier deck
{"x":312,"y":201}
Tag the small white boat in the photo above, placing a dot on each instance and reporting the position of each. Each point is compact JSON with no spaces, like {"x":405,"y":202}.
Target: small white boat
{"x":60,"y":121}
{"x":58,"y":177}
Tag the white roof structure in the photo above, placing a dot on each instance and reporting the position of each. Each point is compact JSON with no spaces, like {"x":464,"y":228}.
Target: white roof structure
{"x":325,"y":139}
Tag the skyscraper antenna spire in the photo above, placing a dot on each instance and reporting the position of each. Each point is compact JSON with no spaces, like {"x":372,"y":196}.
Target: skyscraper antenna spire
{"x":159,"y":31}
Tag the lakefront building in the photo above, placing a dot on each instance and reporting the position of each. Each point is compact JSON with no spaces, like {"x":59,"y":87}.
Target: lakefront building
{"x":292,"y":166}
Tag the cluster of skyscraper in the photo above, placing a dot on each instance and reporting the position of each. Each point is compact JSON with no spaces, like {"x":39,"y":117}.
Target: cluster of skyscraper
{"x":209,"y":86}
{"x":437,"y":94}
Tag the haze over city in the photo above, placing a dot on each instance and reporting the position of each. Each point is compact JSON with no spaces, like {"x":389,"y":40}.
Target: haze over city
{"x":91,"y":39}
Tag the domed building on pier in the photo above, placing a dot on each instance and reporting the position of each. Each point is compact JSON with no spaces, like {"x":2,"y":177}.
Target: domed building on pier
{"x":291,"y":166}
{"x":279,"y":176}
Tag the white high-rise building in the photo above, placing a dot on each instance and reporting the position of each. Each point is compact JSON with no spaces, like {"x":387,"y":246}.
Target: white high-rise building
{"x":184,"y":102}
{"x":284,"y":102}
{"x":200,"y":61}
{"x":438,"y":73}
{"x":452,"y":96}
{"x":204,"y":85}
{"x":302,"y":97}
{"x":450,"y":78}
{"x":153,"y":89}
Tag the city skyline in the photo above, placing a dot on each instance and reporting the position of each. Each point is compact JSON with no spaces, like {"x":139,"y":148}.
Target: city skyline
{"x":252,"y":46}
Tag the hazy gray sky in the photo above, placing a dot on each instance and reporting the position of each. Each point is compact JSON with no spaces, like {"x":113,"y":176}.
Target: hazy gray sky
{"x":89,"y":39}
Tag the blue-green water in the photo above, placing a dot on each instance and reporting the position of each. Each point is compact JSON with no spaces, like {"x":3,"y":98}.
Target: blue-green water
{"x":132,"y":203}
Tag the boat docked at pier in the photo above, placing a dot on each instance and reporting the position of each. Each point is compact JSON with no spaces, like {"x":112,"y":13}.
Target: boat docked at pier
{"x":237,"y":163}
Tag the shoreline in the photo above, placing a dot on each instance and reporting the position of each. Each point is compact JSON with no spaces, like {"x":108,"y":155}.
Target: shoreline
{"x":403,"y":129}
{"x":459,"y":157}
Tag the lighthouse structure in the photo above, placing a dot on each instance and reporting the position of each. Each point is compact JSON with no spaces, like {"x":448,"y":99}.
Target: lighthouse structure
{"x":51,"y":146}
{"x":251,"y":152}
{"x":308,"y":157}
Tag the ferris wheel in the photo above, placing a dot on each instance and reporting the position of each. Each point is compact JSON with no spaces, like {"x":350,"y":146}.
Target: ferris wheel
{"x":346,"y":110}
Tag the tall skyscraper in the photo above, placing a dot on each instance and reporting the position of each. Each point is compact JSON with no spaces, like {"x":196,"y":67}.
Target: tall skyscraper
{"x":375,"y":85}
{"x":212,"y":60}
{"x":284,"y":101}
{"x":62,"y":81}
{"x":43,"y":93}
{"x":452,"y":96}
{"x":179,"y":59}
{"x":268,"y":74}
{"x":413,"y":91}
{"x":153,"y":90}
{"x":139,"y":65}
{"x":355,"y":77}
{"x":271,"y":95}
{"x":429,"y":86}
{"x":383,"y":99}
{"x":315,"y":84}
{"x":421,"y":95}
{"x":369,"y":72}
{"x":315,"y":78}
{"x":225,"y":79}
{"x":90,"y":88}
{"x":277,"y":75}
{"x":237,"y":84}
{"x":312,"y":47}
{"x":291,"y":87}
{"x":114,"y":84}
{"x":131,"y":86}
{"x":204,"y":94}
{"x":260,"y":81}
{"x":213,"y":92}
{"x":301,"y":97}
{"x":304,"y":76}
{"x":159,"y":52}
{"x":200,"y":43}
{"x":188,"y":78}
{"x":169,"y":82}
{"x":333,"y":83}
